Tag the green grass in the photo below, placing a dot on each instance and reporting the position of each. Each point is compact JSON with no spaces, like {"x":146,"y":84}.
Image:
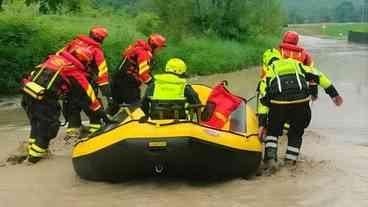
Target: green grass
{"x":334,"y":30}
{"x":26,"y":40}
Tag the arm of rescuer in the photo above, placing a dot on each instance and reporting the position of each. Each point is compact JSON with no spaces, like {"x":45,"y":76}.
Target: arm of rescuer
{"x":102,"y":79}
{"x":78,"y":79}
{"x":191,"y":95}
{"x":313,"y":86}
{"x":312,"y":74}
{"x":262,"y":107}
{"x":144,"y":68}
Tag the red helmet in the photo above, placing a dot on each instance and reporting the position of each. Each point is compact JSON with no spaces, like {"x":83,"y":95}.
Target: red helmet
{"x":157,"y":40}
{"x":290,"y":37}
{"x":99,"y":33}
{"x":83,"y":54}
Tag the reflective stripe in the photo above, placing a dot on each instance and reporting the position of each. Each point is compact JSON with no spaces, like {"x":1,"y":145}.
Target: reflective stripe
{"x":102,"y":69}
{"x":271,"y":145}
{"x":293,"y":149}
{"x":36,"y":154}
{"x":37,"y":148}
{"x":91,"y":93}
{"x":271,"y":138}
{"x":31,"y":140}
{"x":143,"y":70}
{"x":36,"y":151}
{"x":71,"y":130}
{"x":291,"y":157}
{"x":291,"y":102}
{"x":95,"y":126}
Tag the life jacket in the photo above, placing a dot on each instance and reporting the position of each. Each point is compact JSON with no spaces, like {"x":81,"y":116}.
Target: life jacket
{"x":82,"y":43}
{"x":292,"y":51}
{"x":286,"y":83}
{"x":169,"y":87}
{"x":130,"y":56}
{"x":46,"y":80}
{"x":295,"y":52}
{"x":220,"y":104}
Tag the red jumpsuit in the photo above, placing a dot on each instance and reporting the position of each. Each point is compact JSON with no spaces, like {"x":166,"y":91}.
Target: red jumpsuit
{"x":134,"y":70}
{"x":98,"y":68}
{"x":44,"y":114}
{"x":97,"y":73}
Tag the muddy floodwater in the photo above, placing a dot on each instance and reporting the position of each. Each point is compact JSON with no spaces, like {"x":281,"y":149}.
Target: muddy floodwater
{"x":332,"y":172}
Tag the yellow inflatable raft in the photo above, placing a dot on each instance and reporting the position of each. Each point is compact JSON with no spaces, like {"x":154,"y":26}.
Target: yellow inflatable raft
{"x":170,"y":147}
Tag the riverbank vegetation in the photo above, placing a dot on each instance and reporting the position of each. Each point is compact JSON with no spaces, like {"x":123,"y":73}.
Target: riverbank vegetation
{"x":211,"y":36}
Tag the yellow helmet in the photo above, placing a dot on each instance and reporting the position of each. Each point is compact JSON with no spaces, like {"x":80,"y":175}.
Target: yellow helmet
{"x":176,"y":65}
{"x":269,"y":55}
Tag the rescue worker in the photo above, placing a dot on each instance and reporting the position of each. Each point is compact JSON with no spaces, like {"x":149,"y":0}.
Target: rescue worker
{"x":289,"y":48}
{"x":97,"y":74}
{"x":45,"y":86}
{"x":135,"y":69}
{"x":170,"y":85}
{"x":283,"y":96}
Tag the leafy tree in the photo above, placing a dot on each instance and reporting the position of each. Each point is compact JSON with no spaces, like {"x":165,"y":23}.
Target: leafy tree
{"x":47,"y":6}
{"x":229,"y":19}
{"x":344,"y":11}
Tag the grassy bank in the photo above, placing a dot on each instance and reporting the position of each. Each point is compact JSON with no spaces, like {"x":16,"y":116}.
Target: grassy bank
{"x":334,"y":30}
{"x":26,"y":40}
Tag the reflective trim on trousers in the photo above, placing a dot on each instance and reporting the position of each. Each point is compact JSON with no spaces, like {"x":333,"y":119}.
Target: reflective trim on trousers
{"x":271,"y":138}
{"x":30,"y":142}
{"x":293,"y":149}
{"x":37,"y":151}
{"x":291,"y":157}
{"x":94,"y":127}
{"x":271,"y":145}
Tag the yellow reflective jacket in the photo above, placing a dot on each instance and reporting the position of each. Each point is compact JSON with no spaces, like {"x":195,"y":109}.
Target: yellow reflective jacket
{"x":169,"y":87}
{"x":274,"y":74}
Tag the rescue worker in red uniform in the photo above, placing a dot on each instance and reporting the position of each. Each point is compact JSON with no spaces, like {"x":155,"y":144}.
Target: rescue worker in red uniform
{"x":97,"y":74}
{"x":42,"y":89}
{"x":284,"y":97}
{"x":135,"y":69}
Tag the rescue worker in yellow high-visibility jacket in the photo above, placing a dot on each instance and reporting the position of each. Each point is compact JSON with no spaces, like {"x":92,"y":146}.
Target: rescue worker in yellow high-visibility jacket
{"x":170,"y":86}
{"x":283,"y":96}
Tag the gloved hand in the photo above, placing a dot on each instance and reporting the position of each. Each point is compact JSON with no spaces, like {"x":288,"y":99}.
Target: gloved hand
{"x":262,"y":133}
{"x":337,"y":100}
{"x":110,"y":101}
{"x":101,"y":113}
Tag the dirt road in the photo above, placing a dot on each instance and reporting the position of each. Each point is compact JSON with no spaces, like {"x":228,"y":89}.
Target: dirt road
{"x":333,"y":170}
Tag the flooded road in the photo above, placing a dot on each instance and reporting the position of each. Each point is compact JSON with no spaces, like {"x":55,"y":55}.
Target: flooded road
{"x":333,"y":170}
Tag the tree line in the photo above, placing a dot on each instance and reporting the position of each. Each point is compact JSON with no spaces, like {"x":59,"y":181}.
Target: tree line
{"x":315,"y":11}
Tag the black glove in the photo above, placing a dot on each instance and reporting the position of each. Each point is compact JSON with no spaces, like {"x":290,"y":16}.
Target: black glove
{"x":102,"y":115}
{"x":106,"y":91}
{"x":262,"y":120}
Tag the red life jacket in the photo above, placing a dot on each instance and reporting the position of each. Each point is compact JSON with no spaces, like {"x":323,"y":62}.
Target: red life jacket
{"x":84,"y":42}
{"x":133,"y":51}
{"x":295,"y":52}
{"x":134,"y":55}
{"x":220,"y":104}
